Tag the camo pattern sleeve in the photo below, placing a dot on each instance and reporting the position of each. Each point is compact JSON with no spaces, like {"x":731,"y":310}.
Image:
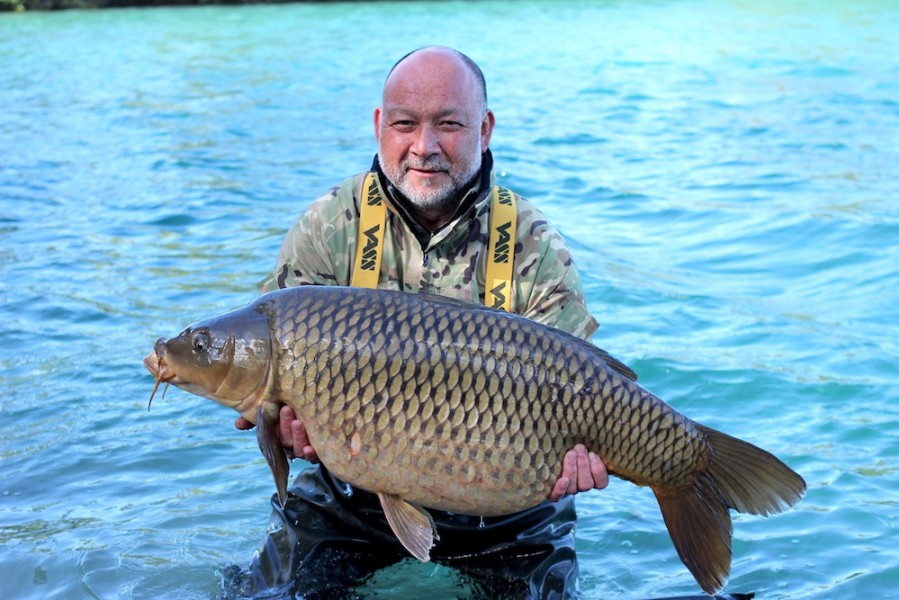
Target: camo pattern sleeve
{"x":548,"y":288}
{"x":318,"y":248}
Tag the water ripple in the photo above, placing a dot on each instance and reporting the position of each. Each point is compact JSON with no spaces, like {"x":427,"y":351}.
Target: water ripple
{"x":726,"y":183}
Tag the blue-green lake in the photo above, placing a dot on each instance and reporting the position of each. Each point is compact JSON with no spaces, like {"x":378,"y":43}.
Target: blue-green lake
{"x":725,"y":172}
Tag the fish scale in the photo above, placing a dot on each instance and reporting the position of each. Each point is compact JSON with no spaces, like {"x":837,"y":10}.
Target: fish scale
{"x":448,"y":356}
{"x":436,"y":403}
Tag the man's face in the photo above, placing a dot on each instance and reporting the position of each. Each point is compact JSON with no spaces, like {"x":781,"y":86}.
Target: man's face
{"x":432,"y":129}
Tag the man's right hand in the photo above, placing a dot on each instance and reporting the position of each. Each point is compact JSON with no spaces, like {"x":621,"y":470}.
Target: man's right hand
{"x":292,"y":433}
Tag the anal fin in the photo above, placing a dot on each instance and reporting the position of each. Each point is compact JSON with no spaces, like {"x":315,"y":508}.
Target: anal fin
{"x":411,"y":524}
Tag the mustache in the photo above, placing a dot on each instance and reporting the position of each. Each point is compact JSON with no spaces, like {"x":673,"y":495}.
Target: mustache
{"x":425,"y":165}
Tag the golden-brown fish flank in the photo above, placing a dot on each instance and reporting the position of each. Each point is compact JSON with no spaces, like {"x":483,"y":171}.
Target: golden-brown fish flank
{"x":435,"y":403}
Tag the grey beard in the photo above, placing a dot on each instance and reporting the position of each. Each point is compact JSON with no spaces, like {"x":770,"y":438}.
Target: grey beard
{"x":439,"y":199}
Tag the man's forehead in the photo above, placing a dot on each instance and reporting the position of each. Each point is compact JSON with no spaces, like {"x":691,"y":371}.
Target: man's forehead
{"x":429,"y":101}
{"x":392,"y":109}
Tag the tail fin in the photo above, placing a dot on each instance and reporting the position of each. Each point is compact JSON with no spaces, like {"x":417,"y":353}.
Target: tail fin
{"x":739,"y":476}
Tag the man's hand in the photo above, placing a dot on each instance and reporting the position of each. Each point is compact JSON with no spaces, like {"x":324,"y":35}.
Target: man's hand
{"x":292,"y":433}
{"x":581,"y":471}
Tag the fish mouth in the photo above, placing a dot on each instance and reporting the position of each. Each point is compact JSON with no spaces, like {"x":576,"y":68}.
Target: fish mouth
{"x":157,"y":367}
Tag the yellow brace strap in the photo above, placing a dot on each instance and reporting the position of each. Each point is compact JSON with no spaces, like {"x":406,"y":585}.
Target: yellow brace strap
{"x":501,"y":250}
{"x":370,"y":245}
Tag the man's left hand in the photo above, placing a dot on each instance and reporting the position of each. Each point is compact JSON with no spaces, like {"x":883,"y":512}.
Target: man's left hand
{"x":581,"y":471}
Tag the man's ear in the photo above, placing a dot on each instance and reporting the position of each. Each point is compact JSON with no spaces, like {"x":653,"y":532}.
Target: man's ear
{"x":377,"y":119}
{"x":487,"y":130}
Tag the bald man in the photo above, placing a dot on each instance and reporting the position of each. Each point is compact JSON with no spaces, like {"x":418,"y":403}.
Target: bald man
{"x":434,"y":173}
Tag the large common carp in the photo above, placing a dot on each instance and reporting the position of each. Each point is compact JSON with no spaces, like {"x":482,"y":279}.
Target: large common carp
{"x":431,"y":402}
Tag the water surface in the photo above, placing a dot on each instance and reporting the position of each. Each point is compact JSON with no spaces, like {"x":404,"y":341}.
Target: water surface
{"x":725,"y":173}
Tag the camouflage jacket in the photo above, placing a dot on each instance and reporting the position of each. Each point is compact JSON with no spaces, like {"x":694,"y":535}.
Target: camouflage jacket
{"x":321,"y":246}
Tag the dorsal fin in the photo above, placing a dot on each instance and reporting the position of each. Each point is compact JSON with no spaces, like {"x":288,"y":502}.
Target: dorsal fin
{"x":617,"y":365}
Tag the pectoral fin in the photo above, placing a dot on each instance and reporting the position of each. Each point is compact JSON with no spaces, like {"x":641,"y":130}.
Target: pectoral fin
{"x":273,"y":451}
{"x":411,"y":524}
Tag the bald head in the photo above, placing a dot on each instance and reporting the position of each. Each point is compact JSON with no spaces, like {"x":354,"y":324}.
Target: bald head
{"x":430,"y":56}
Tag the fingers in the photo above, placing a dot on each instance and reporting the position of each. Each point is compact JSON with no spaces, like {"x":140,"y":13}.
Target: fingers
{"x":570,"y":471}
{"x":301,"y":445}
{"x":567,"y":482}
{"x":291,"y":432}
{"x":285,"y":418}
{"x":599,"y":471}
{"x":560,"y":489}
{"x":584,"y":473}
{"x":581,"y":471}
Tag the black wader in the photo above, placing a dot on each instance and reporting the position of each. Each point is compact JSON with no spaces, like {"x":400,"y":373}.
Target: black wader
{"x":331,"y":537}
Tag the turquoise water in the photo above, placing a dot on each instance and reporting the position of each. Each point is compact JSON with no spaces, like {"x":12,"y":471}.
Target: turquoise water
{"x":725,"y":173}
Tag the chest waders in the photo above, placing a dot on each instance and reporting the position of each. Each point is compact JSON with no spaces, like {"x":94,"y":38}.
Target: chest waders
{"x":330,"y":537}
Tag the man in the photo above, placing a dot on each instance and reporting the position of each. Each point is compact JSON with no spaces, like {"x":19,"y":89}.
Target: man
{"x":434,"y":171}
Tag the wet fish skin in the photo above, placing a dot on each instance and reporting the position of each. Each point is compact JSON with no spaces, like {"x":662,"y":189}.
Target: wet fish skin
{"x":433,"y":402}
{"x":434,"y":393}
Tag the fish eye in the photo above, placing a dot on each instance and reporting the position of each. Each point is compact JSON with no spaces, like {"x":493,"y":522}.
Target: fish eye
{"x":200,"y":341}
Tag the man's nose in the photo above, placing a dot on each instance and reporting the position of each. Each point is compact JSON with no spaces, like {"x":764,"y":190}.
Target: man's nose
{"x":426,"y":141}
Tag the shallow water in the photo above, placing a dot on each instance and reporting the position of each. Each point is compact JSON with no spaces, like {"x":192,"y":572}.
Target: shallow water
{"x":725,"y":173}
